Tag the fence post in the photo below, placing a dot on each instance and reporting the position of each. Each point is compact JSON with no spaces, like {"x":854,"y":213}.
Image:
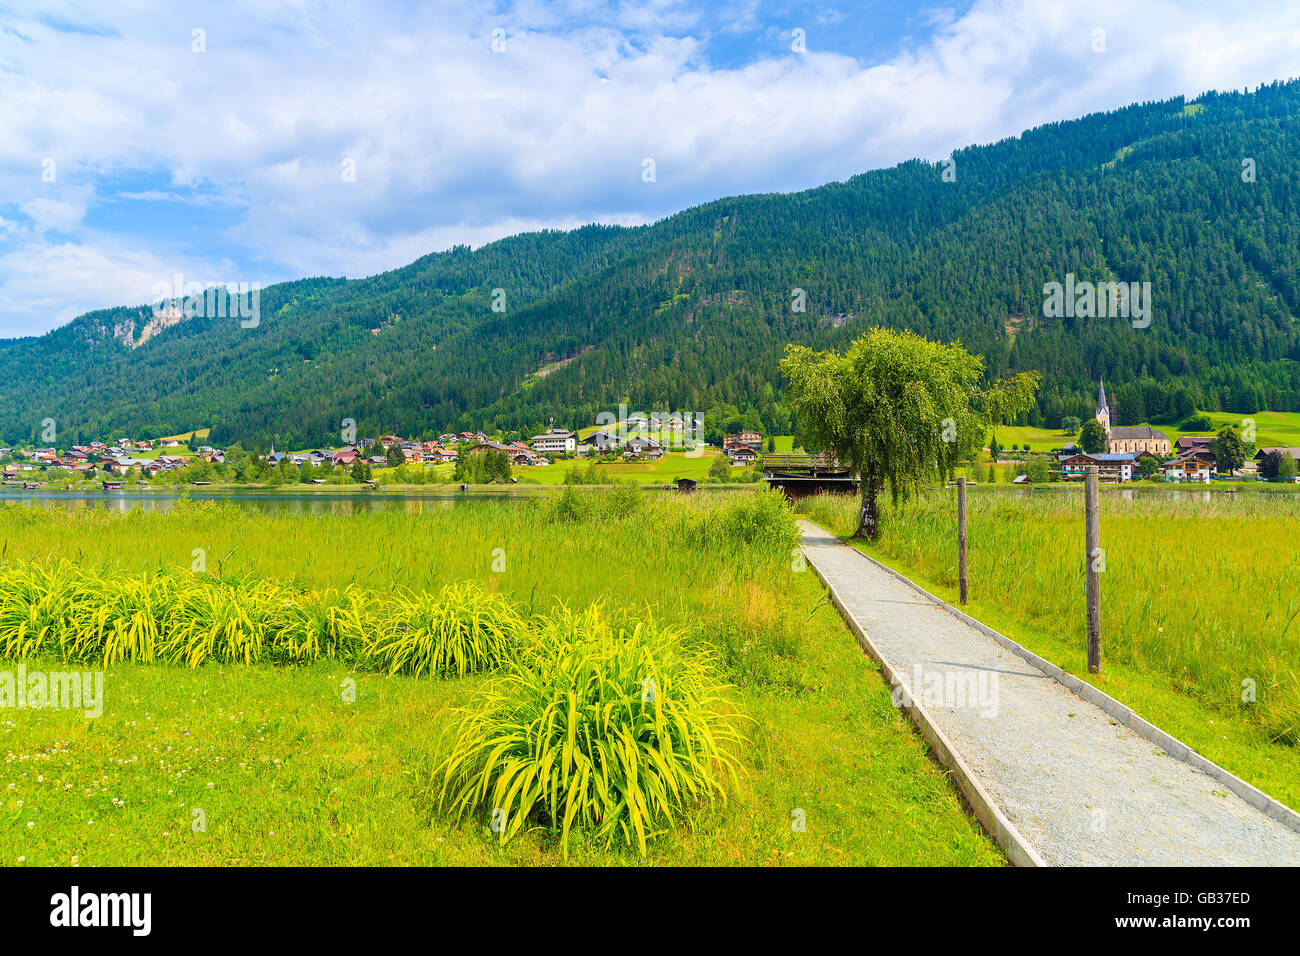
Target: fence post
{"x":1092,"y":516}
{"x":961,"y":537}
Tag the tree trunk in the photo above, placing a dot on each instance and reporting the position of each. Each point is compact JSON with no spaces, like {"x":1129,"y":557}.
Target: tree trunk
{"x":868,"y":518}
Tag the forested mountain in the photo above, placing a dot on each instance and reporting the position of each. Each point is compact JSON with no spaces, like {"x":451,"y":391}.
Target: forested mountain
{"x":693,"y":312}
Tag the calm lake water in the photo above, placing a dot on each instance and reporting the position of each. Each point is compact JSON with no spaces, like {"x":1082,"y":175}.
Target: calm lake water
{"x":304,"y":502}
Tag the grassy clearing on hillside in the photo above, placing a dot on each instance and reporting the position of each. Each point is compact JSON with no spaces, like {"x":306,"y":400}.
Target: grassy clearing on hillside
{"x":1197,"y":597}
{"x":669,"y":468}
{"x":286,"y":771}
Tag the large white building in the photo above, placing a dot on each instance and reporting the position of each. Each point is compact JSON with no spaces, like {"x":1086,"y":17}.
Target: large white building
{"x":555,"y":440}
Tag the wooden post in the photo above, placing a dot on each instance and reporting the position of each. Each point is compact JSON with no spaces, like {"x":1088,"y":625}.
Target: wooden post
{"x":961,"y":538}
{"x":1092,"y":515}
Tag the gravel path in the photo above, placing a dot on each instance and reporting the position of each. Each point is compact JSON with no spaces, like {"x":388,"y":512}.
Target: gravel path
{"x":1081,"y":788}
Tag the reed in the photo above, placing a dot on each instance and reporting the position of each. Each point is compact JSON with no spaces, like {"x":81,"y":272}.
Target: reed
{"x":592,"y":725}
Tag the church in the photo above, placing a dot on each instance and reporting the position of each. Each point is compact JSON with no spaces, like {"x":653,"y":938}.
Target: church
{"x":1121,"y":439}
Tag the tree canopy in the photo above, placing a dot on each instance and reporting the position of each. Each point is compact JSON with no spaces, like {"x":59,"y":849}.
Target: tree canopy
{"x":899,"y":410}
{"x":1229,"y":450}
{"x":1092,"y":437}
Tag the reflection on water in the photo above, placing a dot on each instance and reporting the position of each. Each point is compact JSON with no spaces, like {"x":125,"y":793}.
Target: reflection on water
{"x":348,"y":503}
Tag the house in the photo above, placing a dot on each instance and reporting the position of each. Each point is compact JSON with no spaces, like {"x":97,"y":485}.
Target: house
{"x":643,"y":448}
{"x":1110,"y":467}
{"x":1196,"y":465}
{"x":686,"y":486}
{"x":521,"y":454}
{"x":1259,"y":457}
{"x":1190,"y":443}
{"x":120,"y":466}
{"x":555,"y":440}
{"x":345,"y":458}
{"x":750,"y":440}
{"x":635,"y":421}
{"x":489,"y":445}
{"x":389,"y":440}
{"x":1293,"y":452}
{"x":602,"y":441}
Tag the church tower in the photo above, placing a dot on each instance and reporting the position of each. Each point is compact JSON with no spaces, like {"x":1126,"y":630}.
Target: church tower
{"x":1103,"y":410}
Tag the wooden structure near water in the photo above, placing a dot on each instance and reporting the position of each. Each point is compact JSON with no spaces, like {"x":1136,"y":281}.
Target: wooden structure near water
{"x":801,"y":475}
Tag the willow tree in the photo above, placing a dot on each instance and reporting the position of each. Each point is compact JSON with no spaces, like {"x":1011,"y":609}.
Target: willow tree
{"x":899,"y":410}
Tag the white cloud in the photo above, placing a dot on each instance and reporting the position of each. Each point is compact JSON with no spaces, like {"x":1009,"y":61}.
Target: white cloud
{"x":57,"y":281}
{"x":455,"y":143}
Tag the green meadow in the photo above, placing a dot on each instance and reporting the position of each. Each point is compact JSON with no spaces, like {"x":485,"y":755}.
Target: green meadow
{"x":1200,"y":604}
{"x":669,"y":468}
{"x":337,"y":758}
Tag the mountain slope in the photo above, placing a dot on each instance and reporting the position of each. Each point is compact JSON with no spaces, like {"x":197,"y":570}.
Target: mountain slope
{"x":691,"y":313}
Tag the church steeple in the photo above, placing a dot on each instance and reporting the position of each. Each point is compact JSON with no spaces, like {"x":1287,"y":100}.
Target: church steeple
{"x":1103,"y":409}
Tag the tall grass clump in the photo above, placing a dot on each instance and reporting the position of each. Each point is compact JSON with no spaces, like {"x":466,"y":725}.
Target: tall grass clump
{"x":175,"y":617}
{"x":459,"y":630}
{"x":758,"y":527}
{"x":616,"y":731}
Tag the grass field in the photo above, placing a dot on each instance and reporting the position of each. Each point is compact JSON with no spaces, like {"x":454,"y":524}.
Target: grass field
{"x":1198,"y":597}
{"x":1272,"y":429}
{"x":285,"y":771}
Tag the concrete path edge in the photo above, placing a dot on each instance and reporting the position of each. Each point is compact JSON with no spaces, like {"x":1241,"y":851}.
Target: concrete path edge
{"x":1124,"y":714}
{"x":990,"y":816}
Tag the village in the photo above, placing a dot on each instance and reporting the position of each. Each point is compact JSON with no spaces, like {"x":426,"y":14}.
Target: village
{"x":1140,"y":451}
{"x":1120,"y":453}
{"x":638,"y":438}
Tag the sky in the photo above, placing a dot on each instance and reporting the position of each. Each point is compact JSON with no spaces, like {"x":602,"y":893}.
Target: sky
{"x":260,"y":140}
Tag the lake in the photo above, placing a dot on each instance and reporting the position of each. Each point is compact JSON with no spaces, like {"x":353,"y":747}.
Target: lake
{"x":296,"y":502}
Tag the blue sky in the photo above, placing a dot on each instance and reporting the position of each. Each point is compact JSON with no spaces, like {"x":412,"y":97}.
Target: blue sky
{"x":258,"y":141}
